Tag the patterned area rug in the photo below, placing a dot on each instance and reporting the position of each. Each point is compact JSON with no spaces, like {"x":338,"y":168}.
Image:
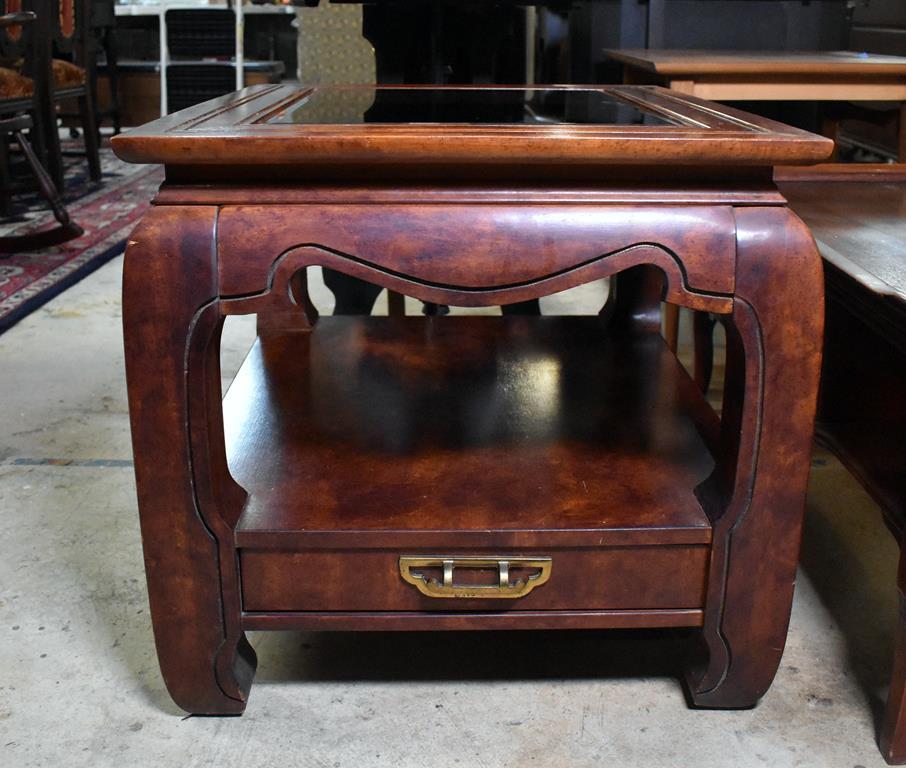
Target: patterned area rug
{"x":107,"y":211}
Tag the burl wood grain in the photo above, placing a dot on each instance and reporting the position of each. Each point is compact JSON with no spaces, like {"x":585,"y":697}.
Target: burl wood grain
{"x":233,"y":131}
{"x":206,"y":662}
{"x":754,"y":497}
{"x":600,"y":579}
{"x":465,"y":431}
{"x":565,"y":241}
{"x":773,"y":363}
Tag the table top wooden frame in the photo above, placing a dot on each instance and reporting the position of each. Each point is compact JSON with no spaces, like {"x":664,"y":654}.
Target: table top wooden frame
{"x":234,"y":131}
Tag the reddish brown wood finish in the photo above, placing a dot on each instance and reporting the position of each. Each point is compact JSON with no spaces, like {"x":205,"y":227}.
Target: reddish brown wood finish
{"x":393,"y":434}
{"x":770,"y":430}
{"x":175,"y":247}
{"x":356,"y":441}
{"x":389,"y":621}
{"x":234,"y":131}
{"x":628,"y":578}
{"x":567,"y":242}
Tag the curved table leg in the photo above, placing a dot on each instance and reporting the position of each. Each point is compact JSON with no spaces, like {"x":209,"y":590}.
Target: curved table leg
{"x":773,"y":362}
{"x":892,"y":739}
{"x":703,"y":342}
{"x":671,"y":326}
{"x":634,"y":301}
{"x":170,"y":276}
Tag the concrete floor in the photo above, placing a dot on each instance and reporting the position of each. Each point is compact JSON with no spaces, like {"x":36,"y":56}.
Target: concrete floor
{"x":79,"y":684}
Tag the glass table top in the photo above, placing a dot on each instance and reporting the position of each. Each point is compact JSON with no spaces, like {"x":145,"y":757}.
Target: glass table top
{"x":490,"y":106}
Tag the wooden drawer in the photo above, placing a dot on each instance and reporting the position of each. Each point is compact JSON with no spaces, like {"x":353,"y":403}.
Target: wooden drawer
{"x":647,"y":577}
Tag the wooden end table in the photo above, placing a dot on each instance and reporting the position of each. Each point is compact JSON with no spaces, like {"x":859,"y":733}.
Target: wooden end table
{"x":418,"y":473}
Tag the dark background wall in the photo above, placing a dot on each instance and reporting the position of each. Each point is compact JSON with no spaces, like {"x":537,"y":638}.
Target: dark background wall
{"x":710,"y":24}
{"x":879,"y":26}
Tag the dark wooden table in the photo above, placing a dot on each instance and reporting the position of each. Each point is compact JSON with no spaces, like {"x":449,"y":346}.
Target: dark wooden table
{"x":827,"y":76}
{"x":469,"y":473}
{"x":859,"y":219}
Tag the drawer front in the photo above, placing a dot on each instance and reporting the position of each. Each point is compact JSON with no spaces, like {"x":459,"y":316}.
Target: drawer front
{"x":650,"y":577}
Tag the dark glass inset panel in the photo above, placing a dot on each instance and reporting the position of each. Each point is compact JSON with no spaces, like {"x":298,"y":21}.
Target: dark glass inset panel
{"x":508,"y":106}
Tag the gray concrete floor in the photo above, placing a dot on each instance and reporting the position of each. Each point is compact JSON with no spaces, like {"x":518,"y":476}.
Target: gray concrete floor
{"x":79,"y":684}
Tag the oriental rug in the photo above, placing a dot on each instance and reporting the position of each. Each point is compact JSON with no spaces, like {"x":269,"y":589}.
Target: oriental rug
{"x":107,"y":210}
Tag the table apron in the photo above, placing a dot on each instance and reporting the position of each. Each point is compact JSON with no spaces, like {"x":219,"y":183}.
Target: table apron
{"x":474,"y":255}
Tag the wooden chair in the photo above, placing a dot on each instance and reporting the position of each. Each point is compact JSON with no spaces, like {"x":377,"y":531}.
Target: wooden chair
{"x":73,"y":68}
{"x":103,"y":38}
{"x":21,"y":113}
{"x":64,"y":25}
{"x":24,"y":57}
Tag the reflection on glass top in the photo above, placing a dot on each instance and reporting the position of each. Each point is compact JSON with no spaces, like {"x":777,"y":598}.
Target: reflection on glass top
{"x":514,"y":106}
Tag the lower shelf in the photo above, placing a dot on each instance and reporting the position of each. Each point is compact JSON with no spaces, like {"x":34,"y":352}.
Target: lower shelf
{"x":370,"y":431}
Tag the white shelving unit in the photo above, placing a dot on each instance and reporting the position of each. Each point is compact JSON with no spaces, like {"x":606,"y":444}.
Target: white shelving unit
{"x":160,"y":8}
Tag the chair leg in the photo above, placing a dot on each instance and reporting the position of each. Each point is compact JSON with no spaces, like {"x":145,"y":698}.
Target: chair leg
{"x":45,"y":238}
{"x":90,"y":135}
{"x":38,"y":137}
{"x":54,"y":152}
{"x":45,"y":183}
{"x":5,"y":178}
{"x":112,"y":54}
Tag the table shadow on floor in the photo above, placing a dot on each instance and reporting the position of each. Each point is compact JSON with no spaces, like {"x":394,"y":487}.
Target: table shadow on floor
{"x":850,"y":560}
{"x":294,"y":657}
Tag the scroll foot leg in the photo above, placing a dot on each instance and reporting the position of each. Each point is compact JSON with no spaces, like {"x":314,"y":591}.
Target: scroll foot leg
{"x":173,"y":372}
{"x":756,"y":495}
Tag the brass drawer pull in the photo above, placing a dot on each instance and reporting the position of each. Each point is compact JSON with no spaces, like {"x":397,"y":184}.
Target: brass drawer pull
{"x":412,"y":571}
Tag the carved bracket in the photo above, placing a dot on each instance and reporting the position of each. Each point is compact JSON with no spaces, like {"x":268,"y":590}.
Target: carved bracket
{"x":284,"y":284}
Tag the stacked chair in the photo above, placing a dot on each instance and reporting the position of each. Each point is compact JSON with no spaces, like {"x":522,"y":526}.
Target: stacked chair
{"x":28,"y":118}
{"x":73,"y":68}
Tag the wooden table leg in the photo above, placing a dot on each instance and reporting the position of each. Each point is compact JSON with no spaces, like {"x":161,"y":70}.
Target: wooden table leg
{"x":396,"y":304}
{"x":682,"y":86}
{"x":634,"y":299}
{"x":830,"y":127}
{"x":671,"y":326}
{"x":773,"y":363}
{"x":901,"y":146}
{"x":703,"y":344}
{"x":172,"y":329}
{"x":892,"y":739}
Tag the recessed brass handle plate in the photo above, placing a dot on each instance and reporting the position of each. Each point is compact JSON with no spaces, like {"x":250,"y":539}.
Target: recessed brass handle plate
{"x":412,"y":570}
